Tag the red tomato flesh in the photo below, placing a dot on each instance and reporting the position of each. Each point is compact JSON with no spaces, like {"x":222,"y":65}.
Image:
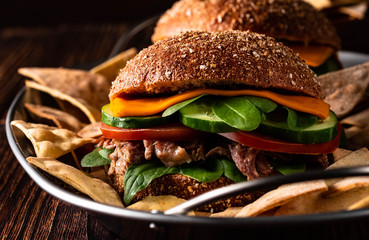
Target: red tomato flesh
{"x":258,"y":141}
{"x":170,"y":132}
{"x":179,"y":132}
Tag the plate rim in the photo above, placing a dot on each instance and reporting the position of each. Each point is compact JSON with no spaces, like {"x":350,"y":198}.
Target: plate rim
{"x":104,"y":209}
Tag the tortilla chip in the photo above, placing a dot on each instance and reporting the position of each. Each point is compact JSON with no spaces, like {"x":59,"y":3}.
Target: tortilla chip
{"x":50,"y":141}
{"x":344,"y":89}
{"x":280,"y":196}
{"x":60,"y":118}
{"x":359,"y":140}
{"x":87,"y":91}
{"x":91,"y":131}
{"x":316,"y":203}
{"x":229,"y":212}
{"x":354,"y":159}
{"x":360,"y":119}
{"x":352,"y":131}
{"x":340,"y":153}
{"x":160,"y":203}
{"x":112,"y":66}
{"x":347,"y":184}
{"x":91,"y":113}
{"x":348,"y":188}
{"x":98,"y":190}
{"x":363,"y":203}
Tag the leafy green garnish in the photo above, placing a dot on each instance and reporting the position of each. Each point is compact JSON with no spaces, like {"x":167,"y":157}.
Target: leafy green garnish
{"x":298,"y":120}
{"x":232,"y":172}
{"x":287,"y":168}
{"x":264,"y":104}
{"x":96,"y":158}
{"x":207,"y":171}
{"x":139,"y":176}
{"x":238,"y":112}
{"x":176,"y":107}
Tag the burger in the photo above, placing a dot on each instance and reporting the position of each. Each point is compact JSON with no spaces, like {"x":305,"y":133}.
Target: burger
{"x":294,"y":22}
{"x":202,"y":110}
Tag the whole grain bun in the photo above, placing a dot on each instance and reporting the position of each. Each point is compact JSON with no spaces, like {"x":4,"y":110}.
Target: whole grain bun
{"x":294,"y":20}
{"x":186,"y":188}
{"x":223,"y":60}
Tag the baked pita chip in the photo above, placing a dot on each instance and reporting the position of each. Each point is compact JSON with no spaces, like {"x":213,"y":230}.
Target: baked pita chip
{"x":228,"y":213}
{"x":160,"y":203}
{"x":347,"y":184}
{"x":281,"y":196}
{"x":340,"y":153}
{"x":357,"y":158}
{"x":352,"y":131}
{"x":363,"y":203}
{"x":360,"y":119}
{"x":341,"y":194}
{"x":50,"y":141}
{"x":317,"y":203}
{"x":112,"y":66}
{"x":87,"y":91}
{"x":344,"y":89}
{"x":60,"y":118}
{"x":92,"y":113}
{"x":91,"y":130}
{"x":359,"y":140}
{"x":97,"y":189}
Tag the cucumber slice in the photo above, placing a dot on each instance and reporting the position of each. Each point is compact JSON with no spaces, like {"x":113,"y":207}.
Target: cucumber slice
{"x":322,"y":131}
{"x":198,"y":115}
{"x":133,"y":122}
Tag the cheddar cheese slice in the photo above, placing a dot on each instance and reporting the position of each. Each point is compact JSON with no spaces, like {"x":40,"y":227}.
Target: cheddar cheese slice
{"x":121,"y":107}
{"x":314,"y":56}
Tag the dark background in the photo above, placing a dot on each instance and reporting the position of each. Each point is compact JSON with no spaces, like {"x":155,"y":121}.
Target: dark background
{"x":51,"y":12}
{"x":31,"y":12}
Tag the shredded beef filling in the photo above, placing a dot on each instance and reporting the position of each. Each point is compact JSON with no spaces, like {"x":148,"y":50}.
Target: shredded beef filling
{"x":250,"y":161}
{"x":169,"y":153}
{"x":253,"y":163}
{"x":125,"y":154}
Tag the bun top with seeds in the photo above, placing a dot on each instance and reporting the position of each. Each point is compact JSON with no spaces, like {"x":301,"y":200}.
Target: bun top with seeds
{"x":220,"y":60}
{"x":293,"y":20}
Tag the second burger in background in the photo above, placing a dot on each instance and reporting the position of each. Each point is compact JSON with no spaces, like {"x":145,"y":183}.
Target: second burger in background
{"x":202,"y":110}
{"x":294,"y":22}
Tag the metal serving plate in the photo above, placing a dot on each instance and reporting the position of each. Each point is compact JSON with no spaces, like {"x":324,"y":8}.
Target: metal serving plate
{"x":128,"y":223}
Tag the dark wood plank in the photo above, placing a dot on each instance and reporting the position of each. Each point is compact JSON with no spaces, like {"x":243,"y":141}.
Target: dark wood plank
{"x":26,"y":211}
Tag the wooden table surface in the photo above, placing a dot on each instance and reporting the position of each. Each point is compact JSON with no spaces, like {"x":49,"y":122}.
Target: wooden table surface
{"x":28,"y":212}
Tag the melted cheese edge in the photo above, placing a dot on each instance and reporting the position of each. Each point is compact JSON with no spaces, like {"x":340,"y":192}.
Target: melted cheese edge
{"x":122,"y":107}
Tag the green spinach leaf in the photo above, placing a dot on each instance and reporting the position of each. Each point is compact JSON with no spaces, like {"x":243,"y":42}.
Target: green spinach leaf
{"x":264,"y":104}
{"x":207,"y":171}
{"x":232,"y":172}
{"x":298,"y":120}
{"x":172,"y":109}
{"x":139,"y":176}
{"x":237,"y":112}
{"x":96,"y":158}
{"x":289,"y":167}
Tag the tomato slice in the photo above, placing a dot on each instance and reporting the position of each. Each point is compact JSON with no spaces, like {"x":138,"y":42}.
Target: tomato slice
{"x":172,"y":132}
{"x":256,"y":140}
{"x":178,"y":132}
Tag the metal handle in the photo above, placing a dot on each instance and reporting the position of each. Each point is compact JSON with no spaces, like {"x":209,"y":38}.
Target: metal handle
{"x":267,"y":182}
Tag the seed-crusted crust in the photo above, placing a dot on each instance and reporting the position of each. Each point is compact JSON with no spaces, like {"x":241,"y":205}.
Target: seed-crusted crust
{"x":223,"y":60}
{"x":184,"y":187}
{"x":294,"y":20}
